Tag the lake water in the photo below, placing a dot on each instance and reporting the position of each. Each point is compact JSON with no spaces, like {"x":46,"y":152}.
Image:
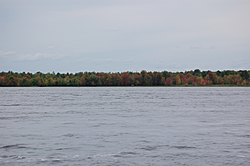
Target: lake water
{"x":125,"y":126}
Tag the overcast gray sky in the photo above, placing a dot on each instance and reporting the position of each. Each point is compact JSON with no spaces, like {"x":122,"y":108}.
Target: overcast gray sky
{"x":124,"y":35}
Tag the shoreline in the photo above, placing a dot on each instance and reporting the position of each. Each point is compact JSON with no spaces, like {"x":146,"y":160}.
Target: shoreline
{"x":142,"y":86}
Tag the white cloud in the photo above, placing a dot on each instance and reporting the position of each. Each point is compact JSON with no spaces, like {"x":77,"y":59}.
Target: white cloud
{"x":103,"y":60}
{"x":241,"y":64}
{"x":13,"y":56}
{"x":2,"y":53}
{"x":114,"y":29}
{"x":28,"y":57}
{"x":9,"y":52}
{"x":196,"y":47}
{"x":51,"y":47}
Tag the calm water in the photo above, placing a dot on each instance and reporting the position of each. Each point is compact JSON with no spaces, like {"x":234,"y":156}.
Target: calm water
{"x":125,"y":126}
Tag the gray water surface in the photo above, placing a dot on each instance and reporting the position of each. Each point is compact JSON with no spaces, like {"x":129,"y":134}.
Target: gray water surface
{"x":125,"y":126}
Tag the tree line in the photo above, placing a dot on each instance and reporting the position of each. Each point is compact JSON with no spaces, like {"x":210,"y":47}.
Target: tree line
{"x":143,"y":78}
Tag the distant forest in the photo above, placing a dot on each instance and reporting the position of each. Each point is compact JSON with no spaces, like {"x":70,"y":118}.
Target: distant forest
{"x":143,"y":78}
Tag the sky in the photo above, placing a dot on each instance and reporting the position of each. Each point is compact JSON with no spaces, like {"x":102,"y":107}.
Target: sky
{"x":124,"y":35}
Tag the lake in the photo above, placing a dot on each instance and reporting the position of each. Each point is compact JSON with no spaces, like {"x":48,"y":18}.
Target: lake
{"x":124,"y":126}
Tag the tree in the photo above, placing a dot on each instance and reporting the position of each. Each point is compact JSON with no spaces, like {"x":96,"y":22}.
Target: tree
{"x":27,"y":76}
{"x":244,"y":74}
{"x":244,"y":82}
{"x":50,"y":81}
{"x":158,"y":78}
{"x":196,"y":72}
{"x":168,"y":82}
{"x":109,"y":80}
{"x":199,"y":80}
{"x":116,"y":78}
{"x":3,"y":81}
{"x":38,"y":81}
{"x":178,"y":80}
{"x":184,"y":81}
{"x":191,"y":80}
{"x":86,"y":80}
{"x":165,"y":74}
{"x":138,"y":79}
{"x":75,"y":82}
{"x":125,"y":79}
{"x":195,"y":77}
{"x":154,"y":78}
{"x":211,"y":76}
{"x":144,"y":77}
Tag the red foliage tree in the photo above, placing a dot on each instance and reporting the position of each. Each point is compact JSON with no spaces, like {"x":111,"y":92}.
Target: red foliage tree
{"x":211,"y":75}
{"x":27,"y":76}
{"x":125,"y":79}
{"x":168,"y":82}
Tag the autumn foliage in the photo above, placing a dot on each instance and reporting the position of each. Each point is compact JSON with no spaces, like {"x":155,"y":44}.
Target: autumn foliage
{"x":144,"y":78}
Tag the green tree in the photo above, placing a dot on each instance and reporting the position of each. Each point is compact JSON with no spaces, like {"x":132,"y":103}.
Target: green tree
{"x":144,"y":77}
{"x":159,"y":79}
{"x":95,"y":80}
{"x":50,"y":81}
{"x":244,"y":74}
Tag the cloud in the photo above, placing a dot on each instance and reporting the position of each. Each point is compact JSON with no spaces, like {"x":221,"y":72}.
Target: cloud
{"x":196,"y":47}
{"x":13,"y":56}
{"x":9,"y":52}
{"x":51,"y":47}
{"x":97,"y":60}
{"x":241,"y":64}
{"x":103,"y":60}
{"x":2,"y":53}
{"x":28,"y":57}
{"x":114,"y":29}
{"x":39,"y":56}
{"x":32,"y":57}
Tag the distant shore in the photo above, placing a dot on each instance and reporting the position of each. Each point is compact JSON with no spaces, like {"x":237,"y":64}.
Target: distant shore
{"x":190,"y":78}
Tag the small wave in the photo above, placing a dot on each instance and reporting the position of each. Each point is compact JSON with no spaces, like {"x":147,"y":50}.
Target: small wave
{"x":4,"y":156}
{"x":6,"y":118}
{"x":98,"y":125}
{"x":184,"y":147}
{"x":241,"y":156}
{"x":16,"y":146}
{"x":117,"y":155}
{"x":68,"y":123}
{"x":154,"y":156}
{"x":145,"y":141}
{"x":244,"y":135}
{"x":20,"y":157}
{"x":129,"y":153}
{"x":63,"y":148}
{"x":68,"y":135}
{"x":10,"y":118}
{"x":10,"y":105}
{"x":67,"y":99}
{"x":13,"y":157}
{"x":43,"y":160}
{"x":56,"y":160}
{"x":73,"y":112}
{"x":76,"y":156}
{"x":150,"y":148}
